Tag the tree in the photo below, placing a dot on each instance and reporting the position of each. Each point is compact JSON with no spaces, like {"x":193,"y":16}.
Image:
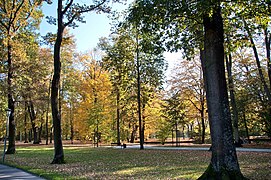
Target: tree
{"x":71,"y":12}
{"x":144,"y":71}
{"x":187,"y":79}
{"x":224,"y":163}
{"x":175,"y":112}
{"x":11,"y":12}
{"x":118,"y":62}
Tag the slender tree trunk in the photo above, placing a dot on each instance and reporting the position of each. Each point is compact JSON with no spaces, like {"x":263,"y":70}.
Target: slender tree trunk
{"x":51,"y":134}
{"x":267,"y":38}
{"x":58,"y":147}
{"x":143,"y":120}
{"x":32,"y":115}
{"x":224,"y":163}
{"x":118,"y":117}
{"x":246,"y":127}
{"x":266,"y":89}
{"x":25,"y":122}
{"x":47,"y":115}
{"x":71,"y":122}
{"x":176,"y":134}
{"x":203,"y":126}
{"x":202,"y":99}
{"x":40,"y":131}
{"x":30,"y":135}
{"x":11,"y":104}
{"x":233,"y":102}
{"x":141,"y":133}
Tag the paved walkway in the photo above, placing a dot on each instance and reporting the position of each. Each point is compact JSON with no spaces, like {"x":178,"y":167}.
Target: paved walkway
{"x":192,"y":148}
{"x":10,"y":173}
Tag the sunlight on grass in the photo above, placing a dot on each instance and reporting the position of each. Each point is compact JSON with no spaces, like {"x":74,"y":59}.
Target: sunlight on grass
{"x":131,"y":171}
{"x":108,"y":163}
{"x":35,"y":149}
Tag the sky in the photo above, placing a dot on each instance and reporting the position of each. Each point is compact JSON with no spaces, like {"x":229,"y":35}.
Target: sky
{"x":87,"y":34}
{"x":97,"y":25}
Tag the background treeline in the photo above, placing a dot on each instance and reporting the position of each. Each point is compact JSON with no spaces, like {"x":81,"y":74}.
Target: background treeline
{"x":105,"y":91}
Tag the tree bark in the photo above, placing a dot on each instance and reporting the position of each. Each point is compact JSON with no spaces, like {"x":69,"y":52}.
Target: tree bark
{"x":118,"y":117}
{"x":141,"y":133}
{"x":58,"y":147}
{"x":33,"y":123}
{"x":224,"y":163}
{"x":47,"y":115}
{"x":25,"y":122}
{"x":246,"y":127}
{"x":267,"y":38}
{"x":266,"y":89}
{"x":202,"y":99}
{"x":233,"y":102}
{"x":71,"y":122}
{"x":11,"y":104}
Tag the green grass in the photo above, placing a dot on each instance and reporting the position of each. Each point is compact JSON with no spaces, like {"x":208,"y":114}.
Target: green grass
{"x":107,"y":163}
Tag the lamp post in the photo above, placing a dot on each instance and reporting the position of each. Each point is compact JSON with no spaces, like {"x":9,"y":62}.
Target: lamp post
{"x":5,"y":140}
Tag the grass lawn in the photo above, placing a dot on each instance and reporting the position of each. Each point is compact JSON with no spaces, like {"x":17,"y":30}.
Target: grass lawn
{"x":107,"y":163}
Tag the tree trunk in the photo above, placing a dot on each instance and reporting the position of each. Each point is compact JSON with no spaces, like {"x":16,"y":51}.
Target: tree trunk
{"x":25,"y":122}
{"x":266,"y":90}
{"x":51,"y":134}
{"x":40,"y":131}
{"x":202,"y":99}
{"x":176,"y":133}
{"x":246,"y":127}
{"x":141,"y":133}
{"x":203,"y":126}
{"x":268,"y":58}
{"x":118,"y":117}
{"x":11,"y":105}
{"x":58,"y":147}
{"x":33,"y":123}
{"x":224,"y":163}
{"x":30,"y":135}
{"x":71,"y":122}
{"x":47,"y":115}
{"x":233,"y":102}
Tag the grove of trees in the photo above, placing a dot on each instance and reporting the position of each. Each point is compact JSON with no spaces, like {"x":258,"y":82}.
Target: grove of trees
{"x":219,"y":91}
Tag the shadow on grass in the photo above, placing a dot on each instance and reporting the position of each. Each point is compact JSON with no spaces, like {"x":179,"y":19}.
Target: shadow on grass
{"x":107,"y":163}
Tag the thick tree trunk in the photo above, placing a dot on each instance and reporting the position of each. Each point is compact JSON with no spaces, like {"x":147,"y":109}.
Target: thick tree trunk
{"x":233,"y":102}
{"x":58,"y":147}
{"x":11,"y":105}
{"x":224,"y":163}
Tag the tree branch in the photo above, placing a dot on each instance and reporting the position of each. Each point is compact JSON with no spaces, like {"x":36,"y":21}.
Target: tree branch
{"x":67,"y":7}
{"x":16,"y":12}
{"x":78,"y":13}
